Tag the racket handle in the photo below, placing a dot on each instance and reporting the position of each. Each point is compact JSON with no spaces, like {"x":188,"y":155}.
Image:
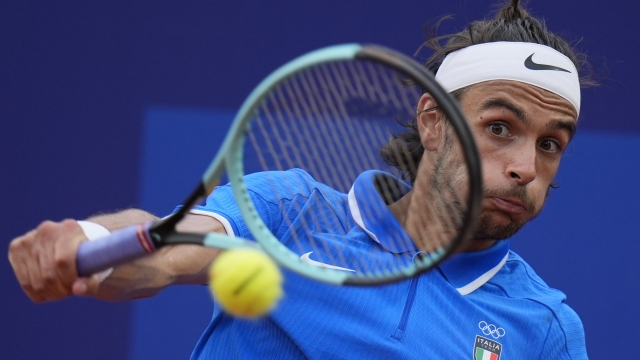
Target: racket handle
{"x":120,"y":247}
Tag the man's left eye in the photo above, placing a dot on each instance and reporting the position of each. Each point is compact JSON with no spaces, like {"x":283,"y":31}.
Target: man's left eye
{"x":549,"y":145}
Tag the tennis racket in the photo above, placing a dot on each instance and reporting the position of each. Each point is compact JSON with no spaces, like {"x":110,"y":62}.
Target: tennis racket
{"x":329,"y":113}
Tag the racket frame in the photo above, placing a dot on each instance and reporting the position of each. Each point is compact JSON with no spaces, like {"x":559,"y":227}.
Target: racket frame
{"x":230,"y":158}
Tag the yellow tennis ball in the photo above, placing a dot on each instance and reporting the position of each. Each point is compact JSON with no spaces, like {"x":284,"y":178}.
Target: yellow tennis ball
{"x":245,"y":282}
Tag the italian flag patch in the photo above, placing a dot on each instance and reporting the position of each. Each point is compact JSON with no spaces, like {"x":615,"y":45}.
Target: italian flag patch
{"x":486,"y":349}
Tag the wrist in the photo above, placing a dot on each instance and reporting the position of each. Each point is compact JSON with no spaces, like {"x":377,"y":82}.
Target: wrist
{"x":95,"y":231}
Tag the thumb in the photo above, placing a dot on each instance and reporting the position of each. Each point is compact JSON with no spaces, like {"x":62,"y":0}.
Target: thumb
{"x":86,"y":286}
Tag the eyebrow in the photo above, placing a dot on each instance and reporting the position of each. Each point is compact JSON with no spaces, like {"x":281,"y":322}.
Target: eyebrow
{"x":563,"y":125}
{"x":497,"y":103}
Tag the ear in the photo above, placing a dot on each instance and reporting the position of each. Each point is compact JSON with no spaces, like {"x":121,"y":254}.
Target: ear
{"x":429,"y":124}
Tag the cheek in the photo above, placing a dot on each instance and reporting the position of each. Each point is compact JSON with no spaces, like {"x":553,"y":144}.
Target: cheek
{"x":538,"y":194}
{"x":547,"y":169}
{"x":492,"y":175}
{"x":492,"y":165}
{"x":539,"y":188}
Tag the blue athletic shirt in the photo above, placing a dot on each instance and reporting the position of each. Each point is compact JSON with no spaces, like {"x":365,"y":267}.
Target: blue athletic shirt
{"x":487,"y":304}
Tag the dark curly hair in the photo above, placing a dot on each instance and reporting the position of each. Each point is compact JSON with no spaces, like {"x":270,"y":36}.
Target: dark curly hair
{"x":512,"y":23}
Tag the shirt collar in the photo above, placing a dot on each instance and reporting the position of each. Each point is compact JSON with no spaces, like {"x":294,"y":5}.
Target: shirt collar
{"x":465,"y":271}
{"x":371,"y":213}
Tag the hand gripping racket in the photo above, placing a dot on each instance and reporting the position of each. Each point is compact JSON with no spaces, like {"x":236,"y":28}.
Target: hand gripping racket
{"x":329,"y":113}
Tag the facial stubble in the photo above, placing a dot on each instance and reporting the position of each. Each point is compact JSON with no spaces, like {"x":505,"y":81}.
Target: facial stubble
{"x":450,"y":182}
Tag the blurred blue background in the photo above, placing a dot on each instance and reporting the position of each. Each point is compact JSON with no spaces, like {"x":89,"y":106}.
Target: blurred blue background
{"x":98,"y":98}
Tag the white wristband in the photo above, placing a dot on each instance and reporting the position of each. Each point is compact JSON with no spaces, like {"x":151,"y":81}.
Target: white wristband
{"x":95,"y":231}
{"x":92,"y":230}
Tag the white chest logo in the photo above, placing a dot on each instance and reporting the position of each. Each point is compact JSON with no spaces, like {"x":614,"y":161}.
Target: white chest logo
{"x":308,"y":260}
{"x":490,"y":329}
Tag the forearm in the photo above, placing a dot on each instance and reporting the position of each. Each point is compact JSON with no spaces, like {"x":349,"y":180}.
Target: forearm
{"x":183,"y":264}
{"x":146,"y":277}
{"x":122,"y":219}
{"x":180,"y":264}
{"x":44,"y":260}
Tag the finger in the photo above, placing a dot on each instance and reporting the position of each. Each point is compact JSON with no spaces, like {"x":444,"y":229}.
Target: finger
{"x":86,"y":286}
{"x":42,"y":251}
{"x":16,"y":249}
{"x":30,"y":259}
{"x":16,"y":259}
{"x":55,"y":289}
{"x":22,"y":274}
{"x":79,"y":287}
{"x":65,"y":252}
{"x":34,"y":295}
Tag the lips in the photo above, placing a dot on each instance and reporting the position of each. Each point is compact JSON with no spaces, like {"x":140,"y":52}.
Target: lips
{"x":508,"y":205}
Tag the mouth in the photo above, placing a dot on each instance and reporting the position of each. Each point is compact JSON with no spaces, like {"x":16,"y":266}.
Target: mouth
{"x":511,"y":206}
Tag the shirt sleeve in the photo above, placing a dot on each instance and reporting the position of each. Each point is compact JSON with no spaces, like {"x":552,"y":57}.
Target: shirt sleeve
{"x":565,"y":339}
{"x":271,"y":194}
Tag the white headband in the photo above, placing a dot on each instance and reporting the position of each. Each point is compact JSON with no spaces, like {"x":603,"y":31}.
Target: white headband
{"x":529,"y":63}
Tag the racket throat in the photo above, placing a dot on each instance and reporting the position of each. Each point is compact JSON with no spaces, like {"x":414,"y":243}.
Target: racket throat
{"x":161,"y":229}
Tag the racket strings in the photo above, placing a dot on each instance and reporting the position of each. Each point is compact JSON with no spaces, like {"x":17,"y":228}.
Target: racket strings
{"x":314,"y":109}
{"x":387,"y":191}
{"x":331,"y":120}
{"x":364,"y":134}
{"x":277,"y":111}
{"x":340,"y":123}
{"x":381,"y":108}
{"x":324,"y":125}
{"x":375,"y":106}
{"x":309,"y":111}
{"x":331,"y":131}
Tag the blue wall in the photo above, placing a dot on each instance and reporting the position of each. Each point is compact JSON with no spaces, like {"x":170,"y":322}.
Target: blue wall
{"x":77,"y":80}
{"x":178,"y":144}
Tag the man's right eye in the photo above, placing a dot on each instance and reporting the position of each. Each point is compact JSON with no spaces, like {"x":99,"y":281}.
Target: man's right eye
{"x":499,"y":129}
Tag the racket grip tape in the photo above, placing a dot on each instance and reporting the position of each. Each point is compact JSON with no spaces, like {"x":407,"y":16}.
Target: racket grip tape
{"x":120,"y":247}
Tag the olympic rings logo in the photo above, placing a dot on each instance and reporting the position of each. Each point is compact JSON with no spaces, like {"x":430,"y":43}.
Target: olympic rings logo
{"x":490,"y":329}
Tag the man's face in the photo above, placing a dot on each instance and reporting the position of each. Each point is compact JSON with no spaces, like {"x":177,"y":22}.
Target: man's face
{"x":521,"y":132}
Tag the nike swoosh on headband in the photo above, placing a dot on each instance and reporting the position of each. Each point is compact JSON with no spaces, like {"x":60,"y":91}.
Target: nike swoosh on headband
{"x":529,"y":64}
{"x":308,"y":260}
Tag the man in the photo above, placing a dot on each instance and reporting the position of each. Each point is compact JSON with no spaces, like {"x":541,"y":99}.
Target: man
{"x":485,"y":302}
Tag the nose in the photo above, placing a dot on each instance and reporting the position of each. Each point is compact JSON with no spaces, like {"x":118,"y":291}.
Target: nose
{"x":521,"y":168}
